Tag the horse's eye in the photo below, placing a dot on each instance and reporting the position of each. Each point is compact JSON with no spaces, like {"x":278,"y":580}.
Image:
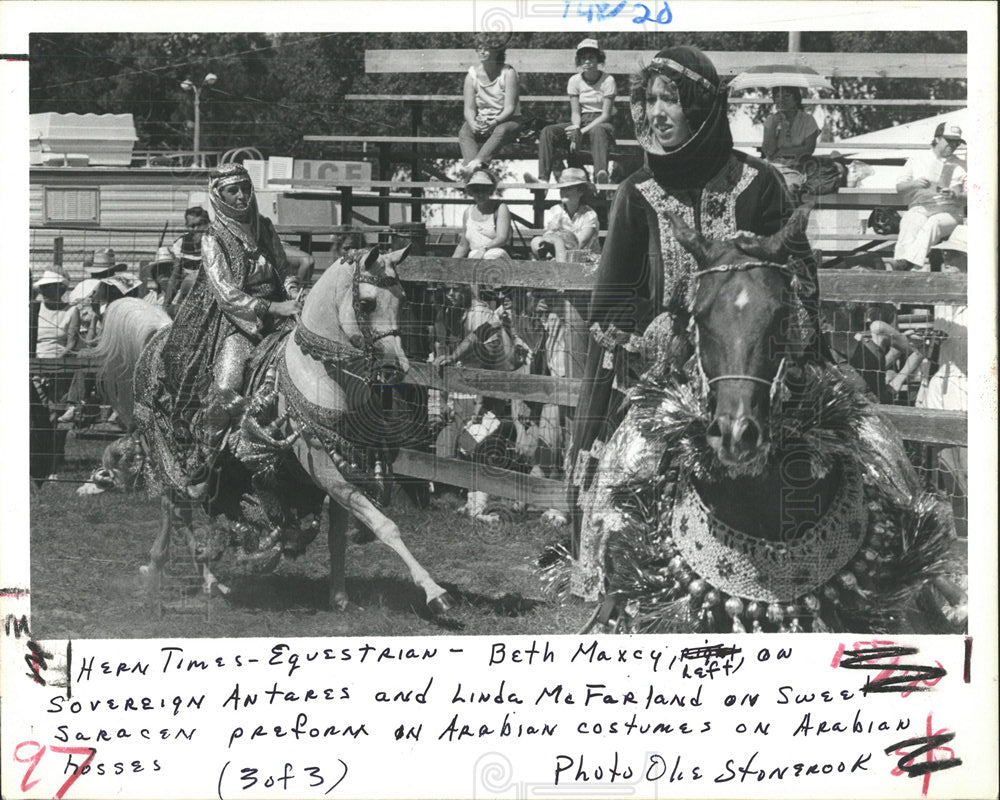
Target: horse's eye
{"x":367,"y":305}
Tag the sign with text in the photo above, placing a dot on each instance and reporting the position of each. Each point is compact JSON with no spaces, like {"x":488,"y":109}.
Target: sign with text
{"x":332,"y":171}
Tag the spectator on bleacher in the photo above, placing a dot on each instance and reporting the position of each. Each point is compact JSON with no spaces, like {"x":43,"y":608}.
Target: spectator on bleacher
{"x":187,"y":256}
{"x":157,"y":277}
{"x":680,"y":110}
{"x":492,"y":108}
{"x":486,"y":226}
{"x":572,"y":224}
{"x":591,"y":103}
{"x":790,"y":133}
{"x":934,"y":184}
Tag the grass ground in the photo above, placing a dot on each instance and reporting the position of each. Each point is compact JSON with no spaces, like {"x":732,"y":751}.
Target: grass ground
{"x":86,"y":553}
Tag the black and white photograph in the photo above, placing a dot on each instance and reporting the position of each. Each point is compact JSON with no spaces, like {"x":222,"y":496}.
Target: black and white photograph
{"x":651,"y":336}
{"x":576,"y":324}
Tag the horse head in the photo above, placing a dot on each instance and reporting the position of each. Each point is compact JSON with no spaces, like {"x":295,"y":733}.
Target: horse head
{"x":741,"y":314}
{"x":357,"y":302}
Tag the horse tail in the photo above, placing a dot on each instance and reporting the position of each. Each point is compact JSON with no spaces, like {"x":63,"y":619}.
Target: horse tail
{"x":128,"y":325}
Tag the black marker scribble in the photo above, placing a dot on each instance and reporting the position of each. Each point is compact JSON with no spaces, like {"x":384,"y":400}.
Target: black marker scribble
{"x":708,"y":652}
{"x":875,"y":658}
{"x":928,"y":744}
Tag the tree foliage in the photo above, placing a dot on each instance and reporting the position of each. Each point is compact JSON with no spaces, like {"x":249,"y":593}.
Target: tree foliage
{"x":273,"y":89}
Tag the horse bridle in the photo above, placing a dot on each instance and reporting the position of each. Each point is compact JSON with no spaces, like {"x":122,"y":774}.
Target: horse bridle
{"x":334,"y":353}
{"x":774,"y":384}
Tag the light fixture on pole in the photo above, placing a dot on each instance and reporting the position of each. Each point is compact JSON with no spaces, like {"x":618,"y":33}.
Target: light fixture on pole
{"x":189,"y":86}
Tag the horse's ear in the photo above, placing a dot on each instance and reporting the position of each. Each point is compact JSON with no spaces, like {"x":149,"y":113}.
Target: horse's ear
{"x":690,"y":239}
{"x":776,"y":247}
{"x":395,"y":258}
{"x":370,"y":259}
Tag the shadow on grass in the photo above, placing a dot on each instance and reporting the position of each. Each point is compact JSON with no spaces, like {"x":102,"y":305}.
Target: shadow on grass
{"x":384,"y":592}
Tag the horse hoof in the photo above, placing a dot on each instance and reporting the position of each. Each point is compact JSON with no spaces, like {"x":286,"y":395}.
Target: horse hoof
{"x":441,"y":604}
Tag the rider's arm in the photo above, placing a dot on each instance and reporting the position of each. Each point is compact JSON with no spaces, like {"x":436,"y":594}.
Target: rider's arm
{"x":244,"y":311}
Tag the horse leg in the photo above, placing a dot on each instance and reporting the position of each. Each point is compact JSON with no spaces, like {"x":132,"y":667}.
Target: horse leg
{"x":326,"y":475}
{"x":160,"y":551}
{"x":337,"y":540}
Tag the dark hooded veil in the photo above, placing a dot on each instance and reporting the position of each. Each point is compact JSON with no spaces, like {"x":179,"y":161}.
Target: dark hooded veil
{"x":703,"y":98}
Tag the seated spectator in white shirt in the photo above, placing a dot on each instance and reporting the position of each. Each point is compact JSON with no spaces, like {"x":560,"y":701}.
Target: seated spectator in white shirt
{"x":935,"y":186}
{"x":572,"y":225}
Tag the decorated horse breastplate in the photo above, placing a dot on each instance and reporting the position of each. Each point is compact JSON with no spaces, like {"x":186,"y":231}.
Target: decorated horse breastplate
{"x":717,"y":207}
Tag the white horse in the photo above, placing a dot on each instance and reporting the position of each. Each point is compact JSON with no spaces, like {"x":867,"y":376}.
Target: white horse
{"x":349,"y":317}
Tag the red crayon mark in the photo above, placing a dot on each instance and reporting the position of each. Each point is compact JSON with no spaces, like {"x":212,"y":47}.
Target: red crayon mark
{"x":10,"y":591}
{"x":926,"y":746}
{"x":89,"y":752}
{"x":33,"y":761}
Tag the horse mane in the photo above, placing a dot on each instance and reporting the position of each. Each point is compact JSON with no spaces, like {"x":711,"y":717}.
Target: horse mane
{"x":129,"y":324}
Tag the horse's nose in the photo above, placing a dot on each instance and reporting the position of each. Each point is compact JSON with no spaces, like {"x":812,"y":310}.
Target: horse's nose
{"x":734,"y":440}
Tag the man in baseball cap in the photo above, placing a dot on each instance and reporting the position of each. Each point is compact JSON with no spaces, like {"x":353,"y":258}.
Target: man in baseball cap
{"x":934,"y":185}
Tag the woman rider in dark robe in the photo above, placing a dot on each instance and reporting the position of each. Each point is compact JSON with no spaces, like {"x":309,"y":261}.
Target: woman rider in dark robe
{"x":679,"y":107}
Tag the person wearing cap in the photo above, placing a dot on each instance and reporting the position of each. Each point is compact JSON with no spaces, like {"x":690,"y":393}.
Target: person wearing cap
{"x":243,"y":291}
{"x":934,"y":186}
{"x":591,"y":104}
{"x":680,"y":110}
{"x":790,"y":133}
{"x":486,"y":226}
{"x":492,"y":109}
{"x":572,"y":225}
{"x":186,"y":252}
{"x":157,"y":278}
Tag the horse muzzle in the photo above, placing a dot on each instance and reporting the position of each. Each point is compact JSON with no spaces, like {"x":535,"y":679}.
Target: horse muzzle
{"x":738,"y":441}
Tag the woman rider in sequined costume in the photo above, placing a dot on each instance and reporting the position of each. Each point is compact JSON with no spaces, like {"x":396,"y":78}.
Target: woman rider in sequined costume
{"x":679,"y":108}
{"x":243,"y":292}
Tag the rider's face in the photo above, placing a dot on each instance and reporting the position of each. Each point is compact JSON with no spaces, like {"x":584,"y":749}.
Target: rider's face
{"x":236,"y":194}
{"x":666,"y":116}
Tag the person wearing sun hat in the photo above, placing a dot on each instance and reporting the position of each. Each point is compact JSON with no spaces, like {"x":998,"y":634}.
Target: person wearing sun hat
{"x":679,"y":109}
{"x":934,"y":184}
{"x":572,"y":225}
{"x":56,"y":329}
{"x":486,"y":225}
{"x":591,"y":94}
{"x":157,"y":277}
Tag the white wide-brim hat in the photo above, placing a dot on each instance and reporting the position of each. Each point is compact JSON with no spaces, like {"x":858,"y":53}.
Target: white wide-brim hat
{"x":48,"y":278}
{"x":572,"y":176}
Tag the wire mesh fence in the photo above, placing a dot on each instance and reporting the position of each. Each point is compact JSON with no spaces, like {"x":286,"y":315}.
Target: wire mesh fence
{"x":904,"y":356}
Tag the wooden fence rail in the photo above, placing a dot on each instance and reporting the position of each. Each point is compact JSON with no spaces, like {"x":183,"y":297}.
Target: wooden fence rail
{"x":621,"y":62}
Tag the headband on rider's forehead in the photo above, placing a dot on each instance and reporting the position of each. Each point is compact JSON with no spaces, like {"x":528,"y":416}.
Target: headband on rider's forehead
{"x":228,"y":174}
{"x":661,"y":63}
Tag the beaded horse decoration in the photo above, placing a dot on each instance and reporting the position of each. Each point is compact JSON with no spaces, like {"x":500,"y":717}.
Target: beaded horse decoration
{"x":755,"y":490}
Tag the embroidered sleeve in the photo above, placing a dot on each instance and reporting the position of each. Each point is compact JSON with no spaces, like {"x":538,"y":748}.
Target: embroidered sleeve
{"x":244,"y":311}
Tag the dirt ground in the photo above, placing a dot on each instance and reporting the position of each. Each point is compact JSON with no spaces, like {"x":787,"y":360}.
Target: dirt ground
{"x":86,"y":554}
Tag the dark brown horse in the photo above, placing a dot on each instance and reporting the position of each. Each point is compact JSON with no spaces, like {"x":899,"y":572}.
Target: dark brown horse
{"x":749,"y":337}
